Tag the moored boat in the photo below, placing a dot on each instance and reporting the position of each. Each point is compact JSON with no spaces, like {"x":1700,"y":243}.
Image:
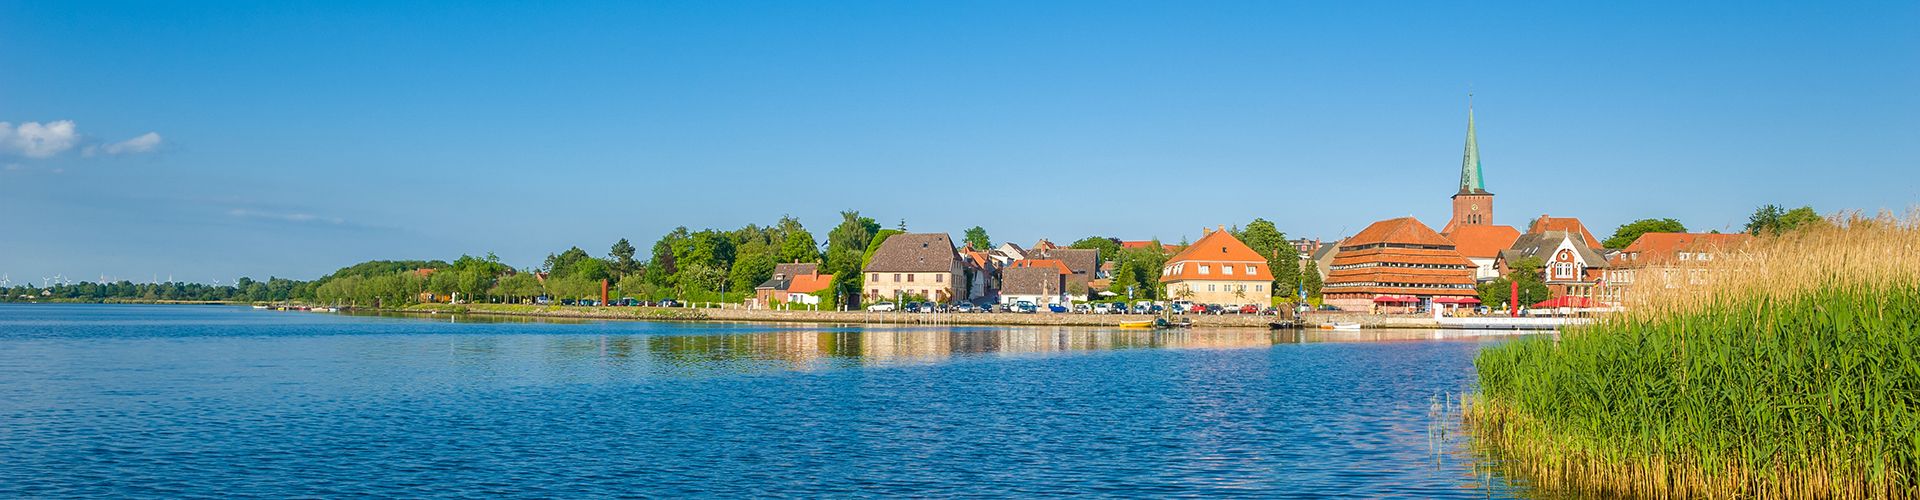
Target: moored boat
{"x":1340,"y":326}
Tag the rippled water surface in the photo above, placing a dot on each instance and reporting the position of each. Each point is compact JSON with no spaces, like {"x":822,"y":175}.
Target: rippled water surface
{"x":224,"y":401}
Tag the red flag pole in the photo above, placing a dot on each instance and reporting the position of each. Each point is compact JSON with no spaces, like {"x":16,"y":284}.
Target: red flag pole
{"x":1513,"y":298}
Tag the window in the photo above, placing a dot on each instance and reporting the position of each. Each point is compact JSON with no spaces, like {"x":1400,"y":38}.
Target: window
{"x":896,"y":277}
{"x":1226,"y":270}
{"x":1251,"y":271}
{"x":1258,"y":287}
{"x":874,"y":292}
{"x":909,"y":278}
{"x":1209,"y":287}
{"x":874,"y":278}
{"x":1203,"y":270}
{"x":1563,"y":269}
{"x":939,"y":278}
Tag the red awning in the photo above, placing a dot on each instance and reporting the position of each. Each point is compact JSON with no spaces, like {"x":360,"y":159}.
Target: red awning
{"x":1456,"y":300}
{"x":1569,"y":301}
{"x":1394,"y":299}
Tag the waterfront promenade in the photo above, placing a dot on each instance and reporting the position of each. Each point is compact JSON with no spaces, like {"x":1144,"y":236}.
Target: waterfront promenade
{"x":865,"y":317}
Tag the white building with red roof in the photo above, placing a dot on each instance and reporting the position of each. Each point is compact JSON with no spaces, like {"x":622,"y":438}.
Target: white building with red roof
{"x":1219,"y":269}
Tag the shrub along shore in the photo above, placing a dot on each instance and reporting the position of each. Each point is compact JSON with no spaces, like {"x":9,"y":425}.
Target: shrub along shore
{"x":1794,"y":373}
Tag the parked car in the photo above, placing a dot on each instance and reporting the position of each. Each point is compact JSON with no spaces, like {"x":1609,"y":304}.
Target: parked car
{"x":964,"y":308}
{"x":1271,"y":311}
{"x":669,"y":303}
{"x":1056,"y":308}
{"x":1328,"y":307}
{"x":882,"y":307}
{"x":1025,"y":307}
{"x":1084,"y":308}
{"x":1249,"y":309}
{"x":1213,"y":309}
{"x":1197,"y":309}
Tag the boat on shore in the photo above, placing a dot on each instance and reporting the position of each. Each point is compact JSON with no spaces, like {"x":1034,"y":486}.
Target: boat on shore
{"x":1137,"y":325}
{"x":1340,"y":326}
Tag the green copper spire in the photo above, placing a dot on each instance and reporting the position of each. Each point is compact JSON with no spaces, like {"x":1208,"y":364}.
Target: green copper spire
{"x":1470,"y":181}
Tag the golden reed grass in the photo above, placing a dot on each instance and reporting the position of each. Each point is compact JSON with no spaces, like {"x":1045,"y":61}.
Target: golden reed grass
{"x":1788,"y":367}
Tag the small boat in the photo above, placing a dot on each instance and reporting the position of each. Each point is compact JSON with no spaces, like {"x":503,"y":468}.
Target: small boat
{"x":1137,"y":325}
{"x":1163,"y":324}
{"x":259,"y":306}
{"x":1340,"y":326}
{"x":1284,"y":325}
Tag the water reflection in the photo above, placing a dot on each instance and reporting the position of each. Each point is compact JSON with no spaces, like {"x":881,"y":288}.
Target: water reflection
{"x":763,"y":348}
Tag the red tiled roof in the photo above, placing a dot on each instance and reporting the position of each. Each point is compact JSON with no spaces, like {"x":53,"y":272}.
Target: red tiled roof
{"x":809,"y":283}
{"x":1432,"y":260}
{"x":1569,"y":224}
{"x":1485,"y":242}
{"x":1148,"y":244}
{"x":1659,"y":247}
{"x":1216,"y":249}
{"x":1042,"y":263}
{"x":1405,"y":230}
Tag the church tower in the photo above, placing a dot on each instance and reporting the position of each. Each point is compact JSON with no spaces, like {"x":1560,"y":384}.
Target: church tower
{"x":1472,"y":205}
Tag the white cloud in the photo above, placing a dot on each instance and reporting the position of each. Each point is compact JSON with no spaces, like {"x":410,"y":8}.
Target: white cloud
{"x":142,"y":144}
{"x":39,"y":140}
{"x":286,"y":217}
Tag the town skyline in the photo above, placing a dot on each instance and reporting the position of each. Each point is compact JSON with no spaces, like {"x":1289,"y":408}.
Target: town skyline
{"x":251,"y":142}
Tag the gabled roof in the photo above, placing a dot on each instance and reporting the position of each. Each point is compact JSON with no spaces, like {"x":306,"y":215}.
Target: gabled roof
{"x":1660,"y":247}
{"x":914,"y":253}
{"x":1078,"y":260}
{"x":1569,"y":224}
{"x":1214,"y":250}
{"x":1482,"y":242}
{"x":1404,"y":230}
{"x":1032,"y":280}
{"x":792,"y":269}
{"x":1041,"y":264}
{"x":1543,"y":245}
{"x":809,"y":283}
{"x":1133,"y":245}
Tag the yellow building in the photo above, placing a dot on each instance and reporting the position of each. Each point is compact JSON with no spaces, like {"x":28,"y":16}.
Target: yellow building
{"x":1219,"y":269}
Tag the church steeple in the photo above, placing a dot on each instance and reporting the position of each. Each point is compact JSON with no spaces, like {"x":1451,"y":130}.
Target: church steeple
{"x":1472,"y":205}
{"x":1470,"y":180}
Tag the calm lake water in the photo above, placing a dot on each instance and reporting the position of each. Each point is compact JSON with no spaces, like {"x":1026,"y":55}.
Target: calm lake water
{"x":124,"y":400}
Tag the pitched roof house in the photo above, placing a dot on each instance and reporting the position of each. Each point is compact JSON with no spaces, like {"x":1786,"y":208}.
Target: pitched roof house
{"x":1482,"y":244}
{"x":1040,"y":281}
{"x":1571,"y":267}
{"x":1218,"y":269}
{"x":792,"y":282}
{"x":1080,"y":262}
{"x":1673,"y":259}
{"x":1399,"y":264}
{"x":920,"y":265}
{"x":1568,"y":224}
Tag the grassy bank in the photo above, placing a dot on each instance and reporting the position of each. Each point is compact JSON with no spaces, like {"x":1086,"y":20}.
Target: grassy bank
{"x":1794,"y":373}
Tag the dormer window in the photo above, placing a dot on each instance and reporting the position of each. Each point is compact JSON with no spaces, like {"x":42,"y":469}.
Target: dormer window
{"x":1204,"y":270}
{"x":1226,"y":270}
{"x":1251,"y":271}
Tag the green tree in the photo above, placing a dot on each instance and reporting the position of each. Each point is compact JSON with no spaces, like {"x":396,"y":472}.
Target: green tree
{"x":1529,"y":272}
{"x":1627,"y":233}
{"x":977,"y":236}
{"x":621,"y":255}
{"x":516,"y":287}
{"x":1773,"y":220}
{"x":846,"y":245}
{"x":796,"y":244}
{"x":590,"y":269}
{"x":750,"y":271}
{"x":1105,"y":248}
{"x":1284,"y":260}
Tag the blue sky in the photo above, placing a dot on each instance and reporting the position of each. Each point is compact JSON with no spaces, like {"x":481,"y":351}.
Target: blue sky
{"x":291,"y":139}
